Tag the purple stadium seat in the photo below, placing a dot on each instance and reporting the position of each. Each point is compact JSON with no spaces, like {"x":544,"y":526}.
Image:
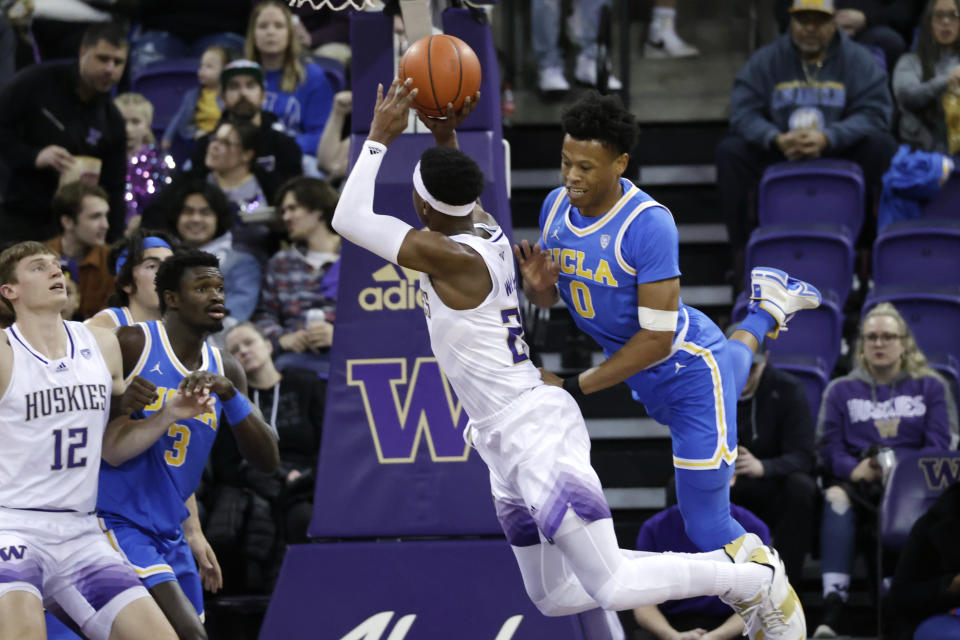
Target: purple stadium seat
{"x":932,"y":313}
{"x":947,"y":366}
{"x":814,"y":333}
{"x":812,"y":372}
{"x":821,"y":254}
{"x":924,"y":251}
{"x":163,"y":84}
{"x":946,"y":204}
{"x":818,"y":191}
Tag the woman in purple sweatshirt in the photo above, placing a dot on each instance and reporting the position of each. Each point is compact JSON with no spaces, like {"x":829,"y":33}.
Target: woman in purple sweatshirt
{"x":892,"y":399}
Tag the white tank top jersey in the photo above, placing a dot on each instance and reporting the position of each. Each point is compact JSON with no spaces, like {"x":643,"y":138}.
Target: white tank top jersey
{"x":482,"y":350}
{"x":52,"y":417}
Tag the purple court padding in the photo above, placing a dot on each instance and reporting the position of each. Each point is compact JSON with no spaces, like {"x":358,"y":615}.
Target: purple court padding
{"x":426,"y":590}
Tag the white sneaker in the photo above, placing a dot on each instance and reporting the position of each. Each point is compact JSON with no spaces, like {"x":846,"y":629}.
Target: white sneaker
{"x":740,"y":549}
{"x":586,"y":72}
{"x":775,"y":613}
{"x":667,"y":44}
{"x":781,"y":296}
{"x":552,"y":79}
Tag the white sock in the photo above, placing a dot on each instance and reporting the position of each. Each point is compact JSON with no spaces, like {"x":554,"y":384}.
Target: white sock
{"x":834,"y":582}
{"x":662,"y":21}
{"x":741,"y":581}
{"x":717,"y":555}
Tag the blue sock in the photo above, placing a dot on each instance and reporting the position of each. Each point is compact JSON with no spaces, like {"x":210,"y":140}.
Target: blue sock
{"x":758,"y":323}
{"x":741,"y":356}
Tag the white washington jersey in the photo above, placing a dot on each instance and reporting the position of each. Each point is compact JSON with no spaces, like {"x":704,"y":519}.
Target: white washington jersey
{"x":481,"y":350}
{"x":52,"y":417}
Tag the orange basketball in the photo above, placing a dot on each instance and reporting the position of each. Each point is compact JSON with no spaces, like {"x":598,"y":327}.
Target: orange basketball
{"x":444,"y":69}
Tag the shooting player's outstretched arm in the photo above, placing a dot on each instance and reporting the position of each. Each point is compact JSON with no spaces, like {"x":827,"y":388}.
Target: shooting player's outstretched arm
{"x":390,"y":238}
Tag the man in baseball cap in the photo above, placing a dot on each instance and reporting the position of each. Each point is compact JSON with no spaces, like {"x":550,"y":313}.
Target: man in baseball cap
{"x":822,"y":6}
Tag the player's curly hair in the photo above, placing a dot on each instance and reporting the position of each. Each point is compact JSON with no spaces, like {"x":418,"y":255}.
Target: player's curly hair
{"x":603,"y":118}
{"x":450,"y":175}
{"x":133,"y":246}
{"x":170,"y":272}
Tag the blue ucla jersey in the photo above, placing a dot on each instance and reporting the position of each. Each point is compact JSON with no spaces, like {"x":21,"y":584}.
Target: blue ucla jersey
{"x":602,"y":260}
{"x":120,"y":316}
{"x":149,"y":490}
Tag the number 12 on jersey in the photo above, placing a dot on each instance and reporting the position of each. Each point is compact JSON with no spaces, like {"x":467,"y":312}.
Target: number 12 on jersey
{"x":75,"y":441}
{"x":511,"y":319}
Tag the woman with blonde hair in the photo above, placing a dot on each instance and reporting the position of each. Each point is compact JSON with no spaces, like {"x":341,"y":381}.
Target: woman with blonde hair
{"x":297,"y":93}
{"x":892,"y":400}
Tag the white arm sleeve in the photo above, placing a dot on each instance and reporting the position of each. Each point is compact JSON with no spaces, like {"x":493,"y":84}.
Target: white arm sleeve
{"x":354,"y":218}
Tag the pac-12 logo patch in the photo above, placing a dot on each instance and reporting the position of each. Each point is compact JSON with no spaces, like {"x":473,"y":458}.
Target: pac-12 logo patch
{"x":604,"y":240}
{"x":85,"y":353}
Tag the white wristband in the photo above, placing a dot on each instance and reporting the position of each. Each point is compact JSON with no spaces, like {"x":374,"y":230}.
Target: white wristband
{"x":354,"y":218}
{"x":657,"y":319}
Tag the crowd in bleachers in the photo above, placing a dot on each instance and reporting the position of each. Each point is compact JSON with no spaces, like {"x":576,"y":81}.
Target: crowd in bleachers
{"x":234,"y":144}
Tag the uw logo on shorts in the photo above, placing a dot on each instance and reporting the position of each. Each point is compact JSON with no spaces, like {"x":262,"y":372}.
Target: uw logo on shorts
{"x":396,"y":290}
{"x":402,"y":412}
{"x":13,"y":552}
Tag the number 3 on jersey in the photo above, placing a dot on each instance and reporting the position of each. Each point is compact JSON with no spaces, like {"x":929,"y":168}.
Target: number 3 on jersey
{"x":582,"y":302}
{"x":178,"y":455}
{"x":514,"y":333}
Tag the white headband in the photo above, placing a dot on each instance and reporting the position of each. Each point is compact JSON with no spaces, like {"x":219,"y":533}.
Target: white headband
{"x":458,"y":210}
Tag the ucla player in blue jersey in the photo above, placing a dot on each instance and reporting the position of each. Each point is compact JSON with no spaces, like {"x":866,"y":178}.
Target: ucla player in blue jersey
{"x":146,"y":504}
{"x":610,"y":252}
{"x":134,"y":261}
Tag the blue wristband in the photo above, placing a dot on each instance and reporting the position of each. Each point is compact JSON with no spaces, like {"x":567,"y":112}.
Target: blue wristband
{"x":237,"y":408}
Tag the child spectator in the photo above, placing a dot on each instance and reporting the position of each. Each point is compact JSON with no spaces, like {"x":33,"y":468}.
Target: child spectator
{"x":299,"y":95}
{"x":201,"y":107}
{"x":147,"y":169}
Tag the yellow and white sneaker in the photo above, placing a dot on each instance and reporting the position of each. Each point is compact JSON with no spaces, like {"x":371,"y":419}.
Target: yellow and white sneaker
{"x":740,"y":549}
{"x":775,"y":612}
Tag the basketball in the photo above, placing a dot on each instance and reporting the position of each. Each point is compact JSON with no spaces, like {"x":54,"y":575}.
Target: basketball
{"x":444,"y":69}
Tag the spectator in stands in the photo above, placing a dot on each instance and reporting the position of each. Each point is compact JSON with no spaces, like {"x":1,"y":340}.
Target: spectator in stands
{"x":583,"y":25}
{"x":775,"y":459}
{"x":662,"y":39}
{"x":811,"y":93}
{"x":926,"y":82}
{"x":892,"y":399}
{"x":297,"y":307}
{"x":134,"y":261}
{"x":324,"y":32}
{"x":201,"y":107}
{"x":50,"y":115}
{"x":202,"y":218}
{"x":278,"y":156}
{"x":292,"y":402}
{"x":147,"y":168}
{"x":884,"y":26}
{"x":333,"y":150}
{"x":703,"y":617}
{"x":170,"y":29}
{"x":83,"y":212}
{"x":297,"y":93}
{"x":926,"y":585}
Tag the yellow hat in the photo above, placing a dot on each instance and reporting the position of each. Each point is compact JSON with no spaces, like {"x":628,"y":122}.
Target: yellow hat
{"x":823,"y":6}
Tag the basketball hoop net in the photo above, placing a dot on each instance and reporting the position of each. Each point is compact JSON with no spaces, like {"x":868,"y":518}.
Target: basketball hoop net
{"x":334,"y":5}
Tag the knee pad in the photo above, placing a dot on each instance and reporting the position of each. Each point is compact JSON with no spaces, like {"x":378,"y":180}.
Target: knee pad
{"x":838,"y":500}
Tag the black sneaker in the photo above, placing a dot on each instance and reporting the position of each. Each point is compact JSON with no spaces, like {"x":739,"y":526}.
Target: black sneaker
{"x":832,"y":610}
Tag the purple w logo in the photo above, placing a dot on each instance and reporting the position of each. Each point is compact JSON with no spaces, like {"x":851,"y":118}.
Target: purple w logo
{"x":13,"y":552}
{"x":940,"y":472}
{"x":429,"y":409}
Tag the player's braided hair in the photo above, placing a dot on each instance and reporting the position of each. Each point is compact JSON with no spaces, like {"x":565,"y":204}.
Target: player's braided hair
{"x":170,"y":271}
{"x":450,"y":175}
{"x":603,"y":118}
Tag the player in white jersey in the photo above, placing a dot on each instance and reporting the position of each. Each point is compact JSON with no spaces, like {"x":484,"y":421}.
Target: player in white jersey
{"x":56,"y":383}
{"x":531,"y":436}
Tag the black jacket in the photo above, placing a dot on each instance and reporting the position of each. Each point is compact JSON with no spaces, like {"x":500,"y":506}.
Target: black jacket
{"x":929,"y":562}
{"x":278,"y":155}
{"x":40,"y":107}
{"x":776,"y":424}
